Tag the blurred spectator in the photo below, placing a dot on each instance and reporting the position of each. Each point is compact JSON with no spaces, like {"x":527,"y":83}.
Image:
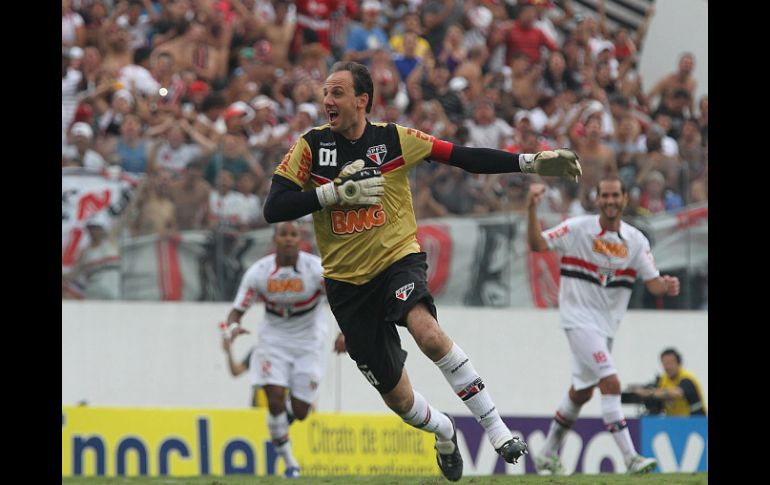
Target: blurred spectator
{"x":137,"y":75}
{"x":194,"y":51}
{"x":625,"y":149}
{"x":451,"y":190}
{"x":655,"y":157}
{"x":71,"y":79}
{"x":173,"y":152}
{"x":236,"y":118}
{"x":525,"y":37}
{"x":118,"y":51}
{"x":121,"y":105}
{"x":596,"y":156}
{"x":227,"y":207}
{"x":385,"y":77}
{"x":97,"y":20}
{"x":80,"y":154}
{"x":681,"y":79}
{"x":691,"y":148}
{"x":674,"y":106}
{"x":169,"y":79}
{"x":486,"y":130}
{"x":279,"y":32}
{"x":152,"y":210}
{"x":208,"y":121}
{"x":233,"y":155}
{"x":453,"y":51}
{"x":73,"y":31}
{"x":247,"y":185}
{"x":556,"y":77}
{"x":190,"y":194}
{"x":313,"y":24}
{"x":130,"y":150}
{"x":652,"y":199}
{"x":472,"y":70}
{"x":286,"y":133}
{"x":703,"y":118}
{"x":411,"y":25}
{"x":437,"y":16}
{"x":408,"y":59}
{"x":365,"y":39}
{"x":478,"y":20}
{"x":525,"y":77}
{"x":96,"y":275}
{"x":549,"y":24}
{"x":425,"y":205}
{"x":436,"y":86}
{"x":137,"y":20}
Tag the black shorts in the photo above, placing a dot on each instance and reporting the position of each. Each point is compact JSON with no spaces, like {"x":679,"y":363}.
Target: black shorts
{"x":368,"y":314}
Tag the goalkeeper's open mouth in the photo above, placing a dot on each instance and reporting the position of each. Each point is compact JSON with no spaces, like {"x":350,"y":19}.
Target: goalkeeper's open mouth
{"x":333,"y":115}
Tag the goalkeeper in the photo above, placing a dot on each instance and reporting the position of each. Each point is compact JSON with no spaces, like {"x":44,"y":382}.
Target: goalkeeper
{"x":352,"y":176}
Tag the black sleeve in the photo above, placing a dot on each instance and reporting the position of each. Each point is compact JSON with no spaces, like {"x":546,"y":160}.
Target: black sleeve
{"x":484,"y":160}
{"x":691,"y":394}
{"x":286,"y":201}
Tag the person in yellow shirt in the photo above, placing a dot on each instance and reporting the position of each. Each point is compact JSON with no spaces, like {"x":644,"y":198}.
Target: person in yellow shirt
{"x":677,"y":388}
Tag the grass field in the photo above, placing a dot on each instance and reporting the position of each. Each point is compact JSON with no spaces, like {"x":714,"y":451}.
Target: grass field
{"x":606,"y":479}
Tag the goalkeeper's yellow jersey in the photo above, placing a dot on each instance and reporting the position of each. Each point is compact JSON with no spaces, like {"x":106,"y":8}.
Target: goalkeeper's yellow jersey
{"x":358,"y":242}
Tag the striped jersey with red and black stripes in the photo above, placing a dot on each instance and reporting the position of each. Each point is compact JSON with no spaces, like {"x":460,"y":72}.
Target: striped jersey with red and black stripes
{"x":598,"y":271}
{"x":291,"y":294}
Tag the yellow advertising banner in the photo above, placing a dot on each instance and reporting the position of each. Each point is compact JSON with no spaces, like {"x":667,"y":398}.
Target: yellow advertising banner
{"x":188,"y":442}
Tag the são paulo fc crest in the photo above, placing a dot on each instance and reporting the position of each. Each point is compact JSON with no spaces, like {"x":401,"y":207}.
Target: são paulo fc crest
{"x":404,"y":292}
{"x":377,"y":154}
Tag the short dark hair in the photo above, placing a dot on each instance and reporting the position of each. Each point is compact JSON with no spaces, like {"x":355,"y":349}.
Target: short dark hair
{"x":362,"y":80}
{"x":611,"y":178}
{"x":672,"y":351}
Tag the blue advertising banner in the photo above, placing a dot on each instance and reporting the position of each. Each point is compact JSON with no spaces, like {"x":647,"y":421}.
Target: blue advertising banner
{"x":679,"y":444}
{"x":588,"y":446}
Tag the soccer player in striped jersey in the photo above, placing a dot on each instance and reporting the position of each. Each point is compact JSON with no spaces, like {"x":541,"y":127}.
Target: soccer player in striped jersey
{"x":601,"y":258}
{"x":352,"y":175}
{"x":289,"y":353}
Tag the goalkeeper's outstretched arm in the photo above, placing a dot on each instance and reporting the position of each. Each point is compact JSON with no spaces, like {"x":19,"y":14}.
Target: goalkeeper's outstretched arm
{"x":560,"y":162}
{"x":286,"y":201}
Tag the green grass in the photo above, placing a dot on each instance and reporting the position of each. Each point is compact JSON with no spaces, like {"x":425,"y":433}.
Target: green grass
{"x":601,"y":479}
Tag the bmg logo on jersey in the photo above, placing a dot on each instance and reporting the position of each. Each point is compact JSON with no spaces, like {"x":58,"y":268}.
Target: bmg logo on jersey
{"x":357,"y":220}
{"x":610,"y":248}
{"x":377,"y":154}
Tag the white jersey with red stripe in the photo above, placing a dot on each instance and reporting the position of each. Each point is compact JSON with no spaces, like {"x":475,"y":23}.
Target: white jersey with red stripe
{"x":598,"y":270}
{"x":292,"y":295}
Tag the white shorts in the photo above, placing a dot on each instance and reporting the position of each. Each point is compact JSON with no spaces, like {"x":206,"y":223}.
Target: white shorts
{"x":591,"y":358}
{"x":298,"y":369}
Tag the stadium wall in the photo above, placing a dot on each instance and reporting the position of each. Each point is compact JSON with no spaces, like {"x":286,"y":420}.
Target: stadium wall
{"x":170,"y":355}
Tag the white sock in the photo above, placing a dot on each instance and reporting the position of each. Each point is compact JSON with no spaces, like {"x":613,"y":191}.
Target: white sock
{"x":279,"y":432}
{"x":616,"y":425}
{"x":465,"y":381}
{"x":566,"y":415}
{"x":427,"y":418}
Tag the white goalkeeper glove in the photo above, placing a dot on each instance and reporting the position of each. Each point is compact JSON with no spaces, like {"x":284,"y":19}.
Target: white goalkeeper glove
{"x":561,"y":162}
{"x":355,"y":185}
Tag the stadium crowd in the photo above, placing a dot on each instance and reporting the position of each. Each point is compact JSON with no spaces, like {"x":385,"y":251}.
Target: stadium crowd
{"x":196,"y":101}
